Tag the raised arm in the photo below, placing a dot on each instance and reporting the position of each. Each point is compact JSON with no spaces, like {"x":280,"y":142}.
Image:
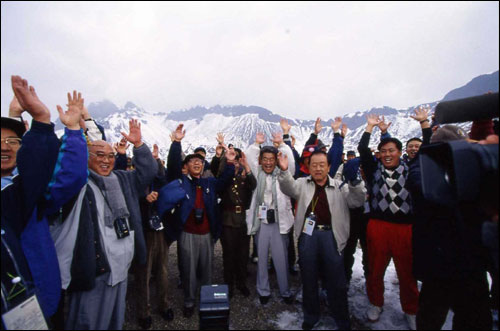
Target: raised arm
{"x":337,"y":148}
{"x":421,"y":115}
{"x":285,"y":149}
{"x":253,"y":152}
{"x":174,"y":159}
{"x":367,"y":161}
{"x":37,"y":155}
{"x":288,"y":185}
{"x":146,"y":166}
{"x":71,"y":172}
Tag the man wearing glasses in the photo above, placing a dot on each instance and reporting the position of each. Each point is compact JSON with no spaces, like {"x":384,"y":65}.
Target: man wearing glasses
{"x":197,"y":224}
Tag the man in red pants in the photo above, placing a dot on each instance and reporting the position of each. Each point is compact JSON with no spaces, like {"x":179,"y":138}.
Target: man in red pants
{"x":389,"y":230}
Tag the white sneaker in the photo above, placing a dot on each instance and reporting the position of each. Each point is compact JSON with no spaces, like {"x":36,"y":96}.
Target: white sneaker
{"x":373,"y":313}
{"x":412,"y":321}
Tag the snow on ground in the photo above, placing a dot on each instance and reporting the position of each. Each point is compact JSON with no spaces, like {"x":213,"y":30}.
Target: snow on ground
{"x":392,"y":317}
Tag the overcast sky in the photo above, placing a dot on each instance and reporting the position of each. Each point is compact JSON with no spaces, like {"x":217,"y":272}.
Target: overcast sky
{"x":299,"y":60}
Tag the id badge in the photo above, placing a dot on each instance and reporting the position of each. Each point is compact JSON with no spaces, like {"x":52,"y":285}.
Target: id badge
{"x":25,"y":316}
{"x":263,"y":212}
{"x":310,"y":222}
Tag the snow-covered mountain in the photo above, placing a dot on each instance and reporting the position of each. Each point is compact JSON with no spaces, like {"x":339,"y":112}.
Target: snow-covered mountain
{"x":241,"y":123}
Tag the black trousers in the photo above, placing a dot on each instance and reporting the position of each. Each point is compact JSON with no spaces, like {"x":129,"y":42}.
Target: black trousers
{"x":235,"y":250}
{"x":468,"y":298}
{"x":358,"y":225}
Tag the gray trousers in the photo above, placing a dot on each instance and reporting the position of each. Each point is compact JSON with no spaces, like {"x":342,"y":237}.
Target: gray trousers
{"x":196,"y":263}
{"x":102,"y":308}
{"x":269,"y":237}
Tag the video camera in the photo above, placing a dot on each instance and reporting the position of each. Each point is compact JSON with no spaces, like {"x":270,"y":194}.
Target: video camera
{"x":459,"y":171}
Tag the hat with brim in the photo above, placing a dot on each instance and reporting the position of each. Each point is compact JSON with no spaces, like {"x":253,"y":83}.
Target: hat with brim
{"x":192,"y":156}
{"x":15,"y":125}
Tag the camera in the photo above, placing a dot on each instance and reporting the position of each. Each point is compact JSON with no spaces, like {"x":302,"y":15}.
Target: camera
{"x":198,"y":215}
{"x":121,"y":228}
{"x":270,"y":216}
{"x":155,"y":223}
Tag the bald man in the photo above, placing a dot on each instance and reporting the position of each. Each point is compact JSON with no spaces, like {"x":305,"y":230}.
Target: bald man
{"x":101,"y":233}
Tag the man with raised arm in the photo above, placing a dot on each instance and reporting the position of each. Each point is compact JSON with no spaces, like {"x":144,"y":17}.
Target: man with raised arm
{"x":100,"y":232}
{"x":270,"y":216}
{"x":322,"y":225}
{"x":196,"y":224}
{"x":48,"y":170}
{"x":389,"y":229}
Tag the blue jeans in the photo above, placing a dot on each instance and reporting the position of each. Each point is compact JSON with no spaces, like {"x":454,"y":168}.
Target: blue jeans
{"x":319,"y":254}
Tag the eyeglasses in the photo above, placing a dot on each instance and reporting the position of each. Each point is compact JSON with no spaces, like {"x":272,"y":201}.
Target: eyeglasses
{"x":195,"y":161}
{"x":12,"y":142}
{"x":101,"y":155}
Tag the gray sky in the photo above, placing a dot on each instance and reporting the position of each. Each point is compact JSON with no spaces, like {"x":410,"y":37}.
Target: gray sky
{"x":300,"y":60}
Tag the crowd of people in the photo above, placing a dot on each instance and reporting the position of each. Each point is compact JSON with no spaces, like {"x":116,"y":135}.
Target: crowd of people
{"x":77,"y":213}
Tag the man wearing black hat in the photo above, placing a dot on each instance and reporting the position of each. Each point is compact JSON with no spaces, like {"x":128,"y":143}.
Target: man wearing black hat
{"x":206,"y":165}
{"x":197,"y":224}
{"x":13,"y":129}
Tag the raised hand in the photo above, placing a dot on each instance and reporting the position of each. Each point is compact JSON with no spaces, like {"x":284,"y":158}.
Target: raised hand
{"x":122,"y":146}
{"x":372,"y":120}
{"x":421,"y":114}
{"x":134,"y":136}
{"x":282,"y":161}
{"x":277,"y":139}
{"x":343,"y":131}
{"x":71,"y":117}
{"x":383,"y":126}
{"x":260,"y":138}
{"x":336,"y":124}
{"x":179,"y":134}
{"x":156,"y":152}
{"x":285,"y":126}
{"x":318,"y":126}
{"x":15,"y":109}
{"x":29,"y":101}
{"x":220,"y":138}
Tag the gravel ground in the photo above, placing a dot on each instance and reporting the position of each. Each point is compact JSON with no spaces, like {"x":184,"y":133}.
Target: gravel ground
{"x":245,"y":314}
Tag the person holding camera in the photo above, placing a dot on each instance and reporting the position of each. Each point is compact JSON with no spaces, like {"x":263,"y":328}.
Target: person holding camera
{"x":322,"y":225}
{"x":449,"y":256}
{"x":389,"y":229}
{"x":270,"y":216}
{"x":196,"y":224}
{"x":101,"y":232}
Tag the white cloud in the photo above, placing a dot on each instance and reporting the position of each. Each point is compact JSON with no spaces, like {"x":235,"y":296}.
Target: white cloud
{"x":296,"y":59}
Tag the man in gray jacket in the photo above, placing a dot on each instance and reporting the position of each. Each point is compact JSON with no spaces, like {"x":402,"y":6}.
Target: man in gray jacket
{"x":100,"y":235}
{"x":322,"y":210}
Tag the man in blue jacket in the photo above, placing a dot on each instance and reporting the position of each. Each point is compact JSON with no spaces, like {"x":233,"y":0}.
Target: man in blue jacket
{"x":28,"y":196}
{"x":197,"y":221}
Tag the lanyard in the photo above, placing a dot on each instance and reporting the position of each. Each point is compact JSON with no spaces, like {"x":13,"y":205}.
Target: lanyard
{"x":20,"y":284}
{"x":313,"y":204}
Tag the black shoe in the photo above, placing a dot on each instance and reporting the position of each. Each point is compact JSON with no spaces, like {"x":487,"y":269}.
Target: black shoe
{"x":289,"y":300}
{"x":145,"y":323}
{"x":264,"y":299}
{"x":244,"y":291}
{"x":188,"y":312}
{"x":168,"y":315}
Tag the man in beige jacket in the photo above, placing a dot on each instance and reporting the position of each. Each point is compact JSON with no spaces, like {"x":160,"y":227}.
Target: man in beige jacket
{"x":322,"y":225}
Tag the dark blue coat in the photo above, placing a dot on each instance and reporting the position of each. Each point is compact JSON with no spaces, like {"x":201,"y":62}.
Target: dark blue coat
{"x":211,"y":188}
